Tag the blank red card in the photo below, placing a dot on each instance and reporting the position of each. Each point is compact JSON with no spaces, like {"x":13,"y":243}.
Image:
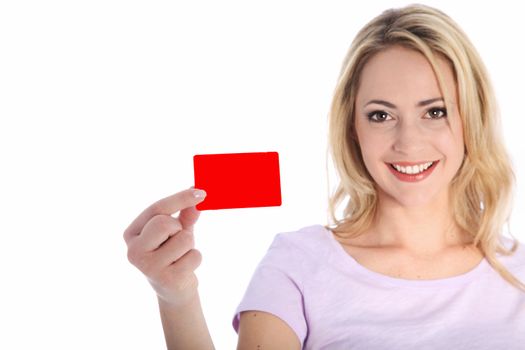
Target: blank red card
{"x":238,"y":180}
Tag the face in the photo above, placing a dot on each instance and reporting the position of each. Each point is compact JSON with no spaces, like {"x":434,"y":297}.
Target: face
{"x":407,"y":123}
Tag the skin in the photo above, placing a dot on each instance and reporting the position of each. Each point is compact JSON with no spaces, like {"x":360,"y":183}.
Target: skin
{"x":414,"y":218}
{"x":162,"y":247}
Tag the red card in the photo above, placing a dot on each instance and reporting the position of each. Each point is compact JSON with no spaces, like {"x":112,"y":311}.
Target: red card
{"x":238,"y":180}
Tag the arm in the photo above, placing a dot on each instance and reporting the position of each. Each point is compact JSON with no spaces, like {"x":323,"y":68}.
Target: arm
{"x":262,"y":330}
{"x":185,"y":326}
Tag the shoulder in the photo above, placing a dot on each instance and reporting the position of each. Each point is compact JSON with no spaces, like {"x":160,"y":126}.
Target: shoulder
{"x":311,"y":240}
{"x":299,"y":251}
{"x":277,"y":285}
{"x":516,"y":259}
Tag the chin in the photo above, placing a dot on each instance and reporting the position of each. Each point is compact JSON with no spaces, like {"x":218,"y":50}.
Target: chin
{"x":412,"y":199}
{"x":417,"y":203}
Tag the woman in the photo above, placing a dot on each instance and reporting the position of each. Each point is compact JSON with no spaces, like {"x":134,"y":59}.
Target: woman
{"x":419,"y":259}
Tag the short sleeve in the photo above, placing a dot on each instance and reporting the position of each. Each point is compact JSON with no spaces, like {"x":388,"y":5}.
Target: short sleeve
{"x":276,"y":287}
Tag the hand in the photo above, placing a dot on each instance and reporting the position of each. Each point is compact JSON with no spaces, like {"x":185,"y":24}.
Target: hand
{"x":162,"y":247}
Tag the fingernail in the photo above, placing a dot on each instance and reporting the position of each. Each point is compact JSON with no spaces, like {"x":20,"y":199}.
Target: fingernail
{"x":199,"y":194}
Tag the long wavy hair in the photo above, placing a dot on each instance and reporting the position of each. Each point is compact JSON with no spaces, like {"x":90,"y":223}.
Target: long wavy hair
{"x":482,"y":189}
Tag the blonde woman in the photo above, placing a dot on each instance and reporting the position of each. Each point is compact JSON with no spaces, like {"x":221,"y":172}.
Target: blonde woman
{"x":419,"y":260}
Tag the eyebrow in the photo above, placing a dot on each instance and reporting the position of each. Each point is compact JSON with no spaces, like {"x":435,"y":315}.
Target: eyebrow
{"x":419,"y":104}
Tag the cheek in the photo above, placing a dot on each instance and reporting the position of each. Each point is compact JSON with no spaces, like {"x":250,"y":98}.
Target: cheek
{"x":451,"y":146}
{"x":373,"y":149}
{"x":456,"y":130}
{"x":455,"y":141}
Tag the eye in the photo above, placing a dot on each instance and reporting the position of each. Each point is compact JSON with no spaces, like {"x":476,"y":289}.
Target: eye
{"x":435,"y":113}
{"x":381,"y":116}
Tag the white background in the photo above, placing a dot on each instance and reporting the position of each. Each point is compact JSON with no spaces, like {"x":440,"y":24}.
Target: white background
{"x":104,"y":103}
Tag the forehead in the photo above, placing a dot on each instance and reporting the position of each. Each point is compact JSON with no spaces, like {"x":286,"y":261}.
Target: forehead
{"x":401,"y":74}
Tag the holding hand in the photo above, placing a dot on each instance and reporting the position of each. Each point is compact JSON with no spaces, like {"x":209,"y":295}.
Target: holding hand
{"x":162,"y":247}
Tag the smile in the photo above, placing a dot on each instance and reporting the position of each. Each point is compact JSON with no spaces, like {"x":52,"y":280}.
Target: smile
{"x":414,"y":169}
{"x":413,"y":173}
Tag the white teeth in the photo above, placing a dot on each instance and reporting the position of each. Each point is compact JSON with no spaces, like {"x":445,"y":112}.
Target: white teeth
{"x":415,"y":169}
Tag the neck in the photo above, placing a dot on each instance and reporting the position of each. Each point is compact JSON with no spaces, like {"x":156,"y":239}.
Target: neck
{"x":424,"y":229}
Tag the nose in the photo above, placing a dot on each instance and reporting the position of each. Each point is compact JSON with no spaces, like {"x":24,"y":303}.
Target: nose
{"x":409,"y":138}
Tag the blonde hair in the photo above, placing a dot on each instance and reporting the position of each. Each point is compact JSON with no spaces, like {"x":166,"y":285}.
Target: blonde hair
{"x":481,"y":191}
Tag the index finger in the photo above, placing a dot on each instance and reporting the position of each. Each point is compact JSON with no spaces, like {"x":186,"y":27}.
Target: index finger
{"x":165,"y":206}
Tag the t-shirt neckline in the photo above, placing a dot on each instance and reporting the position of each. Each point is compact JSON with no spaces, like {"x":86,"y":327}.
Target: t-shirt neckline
{"x":376,"y":277}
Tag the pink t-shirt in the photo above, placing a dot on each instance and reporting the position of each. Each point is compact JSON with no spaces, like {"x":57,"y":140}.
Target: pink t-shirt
{"x":332,"y":302}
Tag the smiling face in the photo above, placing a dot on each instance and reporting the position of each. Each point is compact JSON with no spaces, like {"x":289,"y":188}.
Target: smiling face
{"x":408,"y":122}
